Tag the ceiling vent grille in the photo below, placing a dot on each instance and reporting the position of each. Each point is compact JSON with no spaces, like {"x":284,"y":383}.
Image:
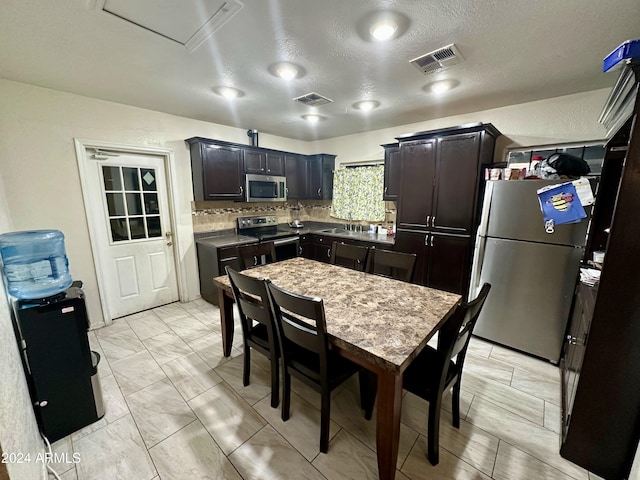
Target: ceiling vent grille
{"x":438,"y":60}
{"x":313,"y":99}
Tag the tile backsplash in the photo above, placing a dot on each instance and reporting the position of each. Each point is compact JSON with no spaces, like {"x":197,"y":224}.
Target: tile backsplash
{"x":208,"y":216}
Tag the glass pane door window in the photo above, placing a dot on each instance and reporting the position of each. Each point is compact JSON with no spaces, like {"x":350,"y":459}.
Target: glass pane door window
{"x":132,"y":203}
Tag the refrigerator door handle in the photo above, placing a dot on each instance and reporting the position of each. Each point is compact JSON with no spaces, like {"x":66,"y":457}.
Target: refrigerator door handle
{"x":476,"y":268}
{"x":486,"y":207}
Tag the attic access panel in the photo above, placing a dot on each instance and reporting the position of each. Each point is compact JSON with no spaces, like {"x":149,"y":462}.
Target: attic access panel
{"x":187,"y":22}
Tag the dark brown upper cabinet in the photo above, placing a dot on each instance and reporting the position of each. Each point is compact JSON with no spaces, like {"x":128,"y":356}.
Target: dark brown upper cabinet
{"x":217,"y":170}
{"x":263,"y":162}
{"x":391,"y":172}
{"x":310,"y":177}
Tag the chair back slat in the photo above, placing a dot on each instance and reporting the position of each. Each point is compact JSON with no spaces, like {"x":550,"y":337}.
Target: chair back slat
{"x":350,"y":256}
{"x":300,"y":332}
{"x":387,"y":263}
{"x":468,"y":314}
{"x":256,"y":254}
{"x":299,"y":320}
{"x":252,"y":299}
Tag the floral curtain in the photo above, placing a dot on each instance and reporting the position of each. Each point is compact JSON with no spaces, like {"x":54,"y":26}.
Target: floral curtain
{"x":357,"y":193}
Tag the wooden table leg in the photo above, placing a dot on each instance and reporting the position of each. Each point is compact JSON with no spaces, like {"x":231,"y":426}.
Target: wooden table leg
{"x":388,"y":423}
{"x":226,"y":320}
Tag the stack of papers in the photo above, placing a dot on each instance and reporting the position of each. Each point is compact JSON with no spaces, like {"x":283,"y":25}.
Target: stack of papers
{"x":589,"y":276}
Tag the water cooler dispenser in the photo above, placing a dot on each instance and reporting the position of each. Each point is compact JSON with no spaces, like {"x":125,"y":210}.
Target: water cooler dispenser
{"x":50,"y":322}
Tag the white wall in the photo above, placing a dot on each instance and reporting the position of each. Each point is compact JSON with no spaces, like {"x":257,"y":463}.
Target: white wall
{"x":18,"y":428}
{"x":40,"y":172}
{"x":555,"y":120}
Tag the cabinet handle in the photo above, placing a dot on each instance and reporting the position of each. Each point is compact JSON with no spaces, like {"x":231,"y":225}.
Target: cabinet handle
{"x":385,"y":191}
{"x":433,"y":221}
{"x":255,"y":260}
{"x":426,"y":240}
{"x":428,"y":219}
{"x":319,"y":191}
{"x":431,"y":241}
{"x":241,"y":190}
{"x":299,"y":251}
{"x":268,"y":170}
{"x":329,"y":253}
{"x":286,"y":189}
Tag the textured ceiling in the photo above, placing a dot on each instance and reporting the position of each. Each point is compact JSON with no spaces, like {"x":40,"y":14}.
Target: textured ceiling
{"x":515,"y":51}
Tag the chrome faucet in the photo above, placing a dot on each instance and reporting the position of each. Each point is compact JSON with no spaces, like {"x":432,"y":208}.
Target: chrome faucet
{"x":349,"y":226}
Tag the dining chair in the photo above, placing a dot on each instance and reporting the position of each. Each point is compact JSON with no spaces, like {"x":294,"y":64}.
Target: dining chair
{"x":256,"y":254}
{"x":258,"y":327}
{"x":350,"y":256}
{"x":305,"y":353}
{"x":388,"y":263}
{"x":435,"y":370}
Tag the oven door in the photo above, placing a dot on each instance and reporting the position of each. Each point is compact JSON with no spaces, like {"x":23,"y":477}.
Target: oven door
{"x":264,"y":188}
{"x":286,"y":248}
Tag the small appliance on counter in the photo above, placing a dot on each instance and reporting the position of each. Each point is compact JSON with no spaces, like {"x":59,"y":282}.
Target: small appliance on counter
{"x":296,"y":224}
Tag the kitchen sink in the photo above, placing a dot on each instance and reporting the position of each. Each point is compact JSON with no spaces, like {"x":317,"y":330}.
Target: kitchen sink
{"x":334,"y":230}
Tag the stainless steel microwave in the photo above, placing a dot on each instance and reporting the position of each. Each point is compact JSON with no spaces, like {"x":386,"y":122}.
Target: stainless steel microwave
{"x":266,"y":188}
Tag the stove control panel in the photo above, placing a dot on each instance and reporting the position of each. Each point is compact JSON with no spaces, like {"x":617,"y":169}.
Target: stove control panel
{"x":255,"y":222}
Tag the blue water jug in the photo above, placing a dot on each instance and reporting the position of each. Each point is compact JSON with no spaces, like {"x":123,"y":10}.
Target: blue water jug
{"x":34,"y":263}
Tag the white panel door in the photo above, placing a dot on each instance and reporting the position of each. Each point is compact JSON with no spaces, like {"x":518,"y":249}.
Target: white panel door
{"x":134,"y":237}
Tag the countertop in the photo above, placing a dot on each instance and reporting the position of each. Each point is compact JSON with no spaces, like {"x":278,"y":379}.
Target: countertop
{"x":339,"y":231}
{"x":228,"y":237}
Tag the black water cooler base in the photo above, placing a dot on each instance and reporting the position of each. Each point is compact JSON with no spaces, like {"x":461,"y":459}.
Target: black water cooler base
{"x":60,"y":368}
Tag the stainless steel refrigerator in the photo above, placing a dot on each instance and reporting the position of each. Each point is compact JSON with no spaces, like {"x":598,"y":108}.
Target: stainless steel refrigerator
{"x":532,"y":273}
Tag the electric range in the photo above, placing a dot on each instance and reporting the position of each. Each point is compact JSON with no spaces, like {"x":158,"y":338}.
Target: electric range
{"x":265,"y":229}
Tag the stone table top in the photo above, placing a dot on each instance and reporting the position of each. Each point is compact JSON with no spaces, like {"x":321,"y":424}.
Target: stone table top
{"x":385,"y":321}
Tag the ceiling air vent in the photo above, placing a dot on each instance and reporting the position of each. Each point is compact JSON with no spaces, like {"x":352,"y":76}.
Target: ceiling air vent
{"x":313,"y":99}
{"x":438,"y":59}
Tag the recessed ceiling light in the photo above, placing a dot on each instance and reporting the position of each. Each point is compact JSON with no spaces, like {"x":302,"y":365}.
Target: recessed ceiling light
{"x":383,"y":30}
{"x":382,"y":25}
{"x":286,"y":70}
{"x":228,"y":92}
{"x":312,"y":118}
{"x":366,"y":105}
{"x":441,"y":86}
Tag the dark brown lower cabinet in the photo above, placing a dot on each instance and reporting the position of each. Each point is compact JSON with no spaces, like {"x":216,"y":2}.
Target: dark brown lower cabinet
{"x":318,"y":247}
{"x":574,"y":347}
{"x":443,"y":261}
{"x":212,"y":261}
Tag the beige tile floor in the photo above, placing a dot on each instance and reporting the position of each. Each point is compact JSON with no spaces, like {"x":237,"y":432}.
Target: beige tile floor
{"x":176,"y":409}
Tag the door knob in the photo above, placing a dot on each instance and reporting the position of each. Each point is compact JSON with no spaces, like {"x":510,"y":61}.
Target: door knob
{"x":168,"y":234}
{"x":169,"y":244}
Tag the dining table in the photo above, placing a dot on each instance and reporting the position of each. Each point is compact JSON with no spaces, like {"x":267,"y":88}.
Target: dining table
{"x":377,"y":322}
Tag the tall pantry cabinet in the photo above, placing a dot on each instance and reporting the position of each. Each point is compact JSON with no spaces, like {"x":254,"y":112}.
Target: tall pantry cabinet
{"x":441,"y":188}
